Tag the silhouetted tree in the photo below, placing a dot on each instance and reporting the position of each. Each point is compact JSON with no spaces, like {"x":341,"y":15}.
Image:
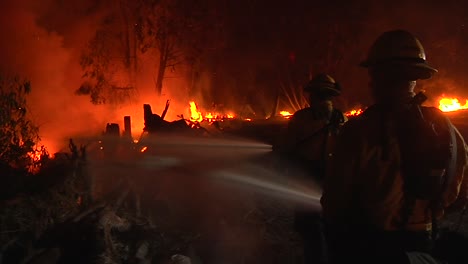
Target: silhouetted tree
{"x":18,"y":134}
{"x":110,"y":60}
{"x":180,"y":31}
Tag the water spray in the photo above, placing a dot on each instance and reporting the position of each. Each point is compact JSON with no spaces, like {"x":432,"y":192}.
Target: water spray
{"x":269,"y":187}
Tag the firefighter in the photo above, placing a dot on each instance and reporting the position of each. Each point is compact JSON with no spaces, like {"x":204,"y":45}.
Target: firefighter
{"x":396,"y":167}
{"x":311,"y":131}
{"x":309,"y":140}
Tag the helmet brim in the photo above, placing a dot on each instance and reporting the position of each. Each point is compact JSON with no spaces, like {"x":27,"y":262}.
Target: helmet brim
{"x":325,"y":91}
{"x":418,"y":70}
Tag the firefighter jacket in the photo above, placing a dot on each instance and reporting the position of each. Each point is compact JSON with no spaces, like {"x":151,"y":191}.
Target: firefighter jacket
{"x":310,"y":138}
{"x":364,"y":188}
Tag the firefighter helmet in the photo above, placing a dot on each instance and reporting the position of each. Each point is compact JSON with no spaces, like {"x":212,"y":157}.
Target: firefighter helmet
{"x":400,"y":49}
{"x":323,"y":84}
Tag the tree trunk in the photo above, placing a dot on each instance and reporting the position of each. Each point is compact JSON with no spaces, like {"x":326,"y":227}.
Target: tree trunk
{"x":126,"y":35}
{"x":164,"y":52}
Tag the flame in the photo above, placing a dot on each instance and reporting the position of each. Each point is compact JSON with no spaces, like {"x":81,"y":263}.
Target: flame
{"x":209,"y":116}
{"x":35,"y":155}
{"x":354,"y":112}
{"x":451,"y":104}
{"x":143,"y":149}
{"x":195,"y":115}
{"x":286,"y":114}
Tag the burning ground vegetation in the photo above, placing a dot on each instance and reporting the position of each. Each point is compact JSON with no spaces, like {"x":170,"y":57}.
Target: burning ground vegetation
{"x":196,"y":198}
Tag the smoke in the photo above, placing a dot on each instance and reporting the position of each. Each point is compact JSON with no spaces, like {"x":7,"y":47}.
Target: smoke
{"x":43,"y":43}
{"x":35,"y":53}
{"x":231,"y":191}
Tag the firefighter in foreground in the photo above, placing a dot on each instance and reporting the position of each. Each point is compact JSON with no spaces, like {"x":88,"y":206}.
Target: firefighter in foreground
{"x":309,"y":141}
{"x":396,"y":168}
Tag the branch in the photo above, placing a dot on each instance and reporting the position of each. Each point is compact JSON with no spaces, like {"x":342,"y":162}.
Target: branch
{"x":174,"y":64}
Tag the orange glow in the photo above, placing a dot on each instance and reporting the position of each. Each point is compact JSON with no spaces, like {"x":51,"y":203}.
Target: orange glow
{"x":248,"y":119}
{"x":36,"y":155}
{"x":447,"y":104}
{"x":143,"y":149}
{"x":354,"y":112}
{"x":209,"y":116}
{"x":195,"y":115}
{"x":286,"y":114}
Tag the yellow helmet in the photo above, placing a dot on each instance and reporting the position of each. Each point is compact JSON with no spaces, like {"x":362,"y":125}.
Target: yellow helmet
{"x":323,"y":84}
{"x":399,"y":48}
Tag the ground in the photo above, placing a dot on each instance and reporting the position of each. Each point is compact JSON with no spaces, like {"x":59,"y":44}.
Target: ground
{"x":153,"y":206}
{"x":221,"y":201}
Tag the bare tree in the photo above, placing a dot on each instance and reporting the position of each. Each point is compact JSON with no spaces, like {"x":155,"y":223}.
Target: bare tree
{"x":160,"y":27}
{"x":110,"y":69}
{"x":180,"y":31}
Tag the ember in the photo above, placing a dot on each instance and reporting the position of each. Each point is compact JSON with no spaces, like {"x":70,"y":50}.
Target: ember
{"x":354,"y":112}
{"x":35,"y":155}
{"x":451,"y":104}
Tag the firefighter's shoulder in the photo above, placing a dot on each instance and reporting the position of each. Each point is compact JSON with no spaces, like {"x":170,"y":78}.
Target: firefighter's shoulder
{"x":358,"y":124}
{"x":304,"y":114}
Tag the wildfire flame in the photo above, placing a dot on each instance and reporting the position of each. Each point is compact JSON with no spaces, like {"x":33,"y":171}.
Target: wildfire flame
{"x":446,"y":104}
{"x":197,"y":116}
{"x":451,"y":104}
{"x":285,"y":114}
{"x":209,"y":116}
{"x":35,"y":155}
{"x":354,"y":112}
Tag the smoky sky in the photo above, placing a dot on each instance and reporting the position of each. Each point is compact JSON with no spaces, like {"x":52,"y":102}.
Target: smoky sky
{"x":259,"y":46}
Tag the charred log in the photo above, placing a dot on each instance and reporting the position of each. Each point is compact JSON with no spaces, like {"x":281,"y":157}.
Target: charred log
{"x":127,"y":127}
{"x":155,"y":123}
